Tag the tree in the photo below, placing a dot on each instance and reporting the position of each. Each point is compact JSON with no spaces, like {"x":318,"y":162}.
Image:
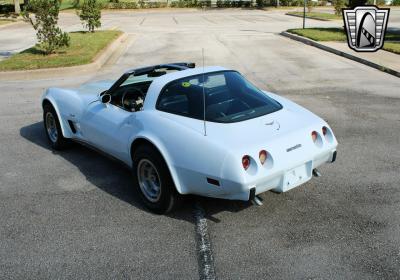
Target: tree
{"x":260,"y":3}
{"x":310,"y":6}
{"x":17,"y":7}
{"x":339,"y":5}
{"x":90,"y":14}
{"x":45,"y":20}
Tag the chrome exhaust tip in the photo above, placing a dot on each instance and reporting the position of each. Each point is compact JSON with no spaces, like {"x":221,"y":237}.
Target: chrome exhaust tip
{"x":316,"y":173}
{"x":255,"y":199}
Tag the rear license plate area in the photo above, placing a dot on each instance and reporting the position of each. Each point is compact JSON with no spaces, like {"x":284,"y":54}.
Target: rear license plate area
{"x":297,"y":176}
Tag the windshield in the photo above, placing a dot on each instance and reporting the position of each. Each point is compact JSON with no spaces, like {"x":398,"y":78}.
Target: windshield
{"x":229,"y":98}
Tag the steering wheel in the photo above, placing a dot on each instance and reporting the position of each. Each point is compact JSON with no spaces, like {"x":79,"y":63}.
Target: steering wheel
{"x":130,"y":91}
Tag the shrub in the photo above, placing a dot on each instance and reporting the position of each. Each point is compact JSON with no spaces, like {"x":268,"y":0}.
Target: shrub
{"x":178,"y":4}
{"x":310,"y":5}
{"x":396,"y":3}
{"x":131,"y":5}
{"x":339,"y":5}
{"x":194,"y":3}
{"x":45,"y":20}
{"x":121,"y":5}
{"x":75,"y":3}
{"x":290,"y":2}
{"x":90,"y":14}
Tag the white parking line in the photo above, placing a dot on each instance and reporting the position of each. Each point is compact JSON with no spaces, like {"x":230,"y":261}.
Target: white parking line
{"x":204,"y":252}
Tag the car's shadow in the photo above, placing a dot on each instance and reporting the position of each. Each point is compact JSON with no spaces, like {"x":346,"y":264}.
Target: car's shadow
{"x":115,"y":178}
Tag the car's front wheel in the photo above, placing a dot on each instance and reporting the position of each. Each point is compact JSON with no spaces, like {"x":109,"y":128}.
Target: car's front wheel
{"x":153,"y":180}
{"x":53,"y":128}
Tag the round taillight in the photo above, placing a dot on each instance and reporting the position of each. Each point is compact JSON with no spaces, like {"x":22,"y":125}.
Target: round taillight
{"x":324,"y":130}
{"x":314,"y":136}
{"x":246,"y":162}
{"x":263,"y":156}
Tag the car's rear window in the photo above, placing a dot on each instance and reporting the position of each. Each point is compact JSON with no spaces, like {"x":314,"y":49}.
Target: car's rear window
{"x":229,"y":98}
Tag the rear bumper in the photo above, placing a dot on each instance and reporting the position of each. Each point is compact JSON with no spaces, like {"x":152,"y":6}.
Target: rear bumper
{"x":281,"y":181}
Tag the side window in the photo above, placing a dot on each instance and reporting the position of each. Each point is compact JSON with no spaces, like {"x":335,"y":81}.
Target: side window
{"x":174,"y":99}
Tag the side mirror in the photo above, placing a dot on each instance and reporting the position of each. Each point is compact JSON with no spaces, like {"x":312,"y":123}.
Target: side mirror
{"x":105,"y":98}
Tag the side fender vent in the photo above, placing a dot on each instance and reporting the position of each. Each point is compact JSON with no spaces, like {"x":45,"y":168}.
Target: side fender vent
{"x":213,"y":182}
{"x":72,"y":126}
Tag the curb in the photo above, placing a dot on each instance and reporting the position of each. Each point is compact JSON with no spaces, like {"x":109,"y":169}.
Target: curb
{"x":10,"y":24}
{"x":116,"y":47}
{"x":340,"y":53}
{"x":320,"y":19}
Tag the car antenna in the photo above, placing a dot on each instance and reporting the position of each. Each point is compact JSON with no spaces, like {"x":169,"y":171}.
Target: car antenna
{"x":204,"y":98}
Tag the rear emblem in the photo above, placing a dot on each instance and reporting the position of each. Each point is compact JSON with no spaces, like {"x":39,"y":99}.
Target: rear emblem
{"x":293,"y":148}
{"x":275,"y":123}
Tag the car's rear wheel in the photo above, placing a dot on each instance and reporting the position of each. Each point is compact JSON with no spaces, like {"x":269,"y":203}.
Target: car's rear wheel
{"x":153,"y":180}
{"x":53,"y":128}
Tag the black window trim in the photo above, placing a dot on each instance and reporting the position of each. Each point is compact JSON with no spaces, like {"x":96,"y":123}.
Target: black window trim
{"x":212,"y":72}
{"x":178,"y":66}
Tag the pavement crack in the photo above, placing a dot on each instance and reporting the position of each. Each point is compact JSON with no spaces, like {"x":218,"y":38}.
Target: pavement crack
{"x":203,"y":245}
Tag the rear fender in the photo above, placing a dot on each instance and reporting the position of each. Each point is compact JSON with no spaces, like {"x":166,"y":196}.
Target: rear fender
{"x":156,"y":142}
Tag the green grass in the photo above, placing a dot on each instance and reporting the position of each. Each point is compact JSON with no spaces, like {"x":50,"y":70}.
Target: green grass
{"x":393,"y":47}
{"x":316,"y":15}
{"x":66,"y":5}
{"x":70,"y":4}
{"x":321,"y":34}
{"x":83,"y":49}
{"x":337,"y":34}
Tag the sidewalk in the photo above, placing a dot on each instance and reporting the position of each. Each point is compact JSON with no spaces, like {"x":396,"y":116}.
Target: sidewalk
{"x":381,"y":57}
{"x":382,"y":60}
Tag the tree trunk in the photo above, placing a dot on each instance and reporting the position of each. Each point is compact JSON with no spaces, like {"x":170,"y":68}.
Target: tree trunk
{"x":17,"y":8}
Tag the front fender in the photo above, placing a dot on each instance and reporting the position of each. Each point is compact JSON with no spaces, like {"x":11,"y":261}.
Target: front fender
{"x":68,"y":106}
{"x":48,"y":96}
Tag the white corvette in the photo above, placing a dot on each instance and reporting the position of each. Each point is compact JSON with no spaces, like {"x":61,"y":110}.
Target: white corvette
{"x":185,"y":130}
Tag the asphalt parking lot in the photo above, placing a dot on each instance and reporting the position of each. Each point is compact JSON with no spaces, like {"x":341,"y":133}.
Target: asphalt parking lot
{"x":73,"y":214}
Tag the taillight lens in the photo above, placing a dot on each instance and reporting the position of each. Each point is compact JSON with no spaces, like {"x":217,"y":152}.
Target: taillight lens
{"x":314,"y":136}
{"x":324,"y":130}
{"x":263,"y":156}
{"x":246,"y":162}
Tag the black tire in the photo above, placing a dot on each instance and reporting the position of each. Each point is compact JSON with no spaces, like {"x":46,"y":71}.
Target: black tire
{"x":168,"y":197}
{"x":58,"y":142}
